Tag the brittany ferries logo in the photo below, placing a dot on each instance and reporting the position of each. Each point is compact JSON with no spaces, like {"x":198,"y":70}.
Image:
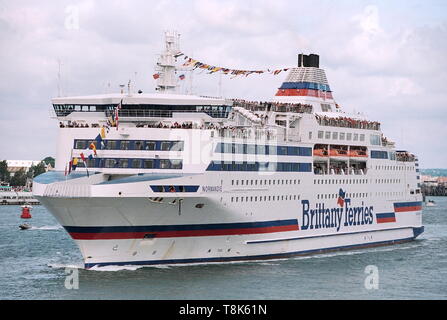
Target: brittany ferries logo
{"x":344,"y":214}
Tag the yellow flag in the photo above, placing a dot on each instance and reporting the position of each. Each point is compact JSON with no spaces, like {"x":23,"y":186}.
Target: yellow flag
{"x":103,"y":132}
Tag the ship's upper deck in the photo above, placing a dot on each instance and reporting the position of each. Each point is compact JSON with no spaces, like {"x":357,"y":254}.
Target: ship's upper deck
{"x":139,"y":99}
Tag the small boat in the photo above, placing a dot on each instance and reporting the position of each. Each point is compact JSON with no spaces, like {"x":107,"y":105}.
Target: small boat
{"x":24,"y":226}
{"x":430,"y":203}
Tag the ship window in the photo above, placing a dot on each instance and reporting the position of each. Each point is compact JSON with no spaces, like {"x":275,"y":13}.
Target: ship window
{"x":342,"y":136}
{"x":122,"y":163}
{"x":261,"y":149}
{"x":362,"y":137}
{"x":165,"y":145}
{"x":109,"y":163}
{"x":348,"y":136}
{"x":150,"y":145}
{"x":282,"y":150}
{"x":90,"y":162}
{"x":335,"y":135}
{"x":80,"y":144}
{"x":124,"y":145}
{"x":251,"y":149}
{"x":176,"y":164}
{"x":110,"y":144}
{"x":356,"y":136}
{"x":165,"y":164}
{"x":310,"y":135}
{"x":239,"y":148}
{"x":374,"y":139}
{"x":136,"y":163}
{"x":177,"y":146}
{"x":320,"y":134}
{"x":139,"y":145}
{"x":328,"y":135}
{"x":148,"y":164}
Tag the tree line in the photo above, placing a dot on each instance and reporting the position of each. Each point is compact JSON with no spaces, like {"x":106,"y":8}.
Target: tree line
{"x":20,"y":177}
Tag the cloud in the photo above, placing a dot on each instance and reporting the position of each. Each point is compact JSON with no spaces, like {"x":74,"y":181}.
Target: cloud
{"x":387,"y":60}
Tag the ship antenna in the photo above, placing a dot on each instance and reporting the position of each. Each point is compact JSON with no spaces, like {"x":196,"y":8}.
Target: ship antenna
{"x":59,"y":78}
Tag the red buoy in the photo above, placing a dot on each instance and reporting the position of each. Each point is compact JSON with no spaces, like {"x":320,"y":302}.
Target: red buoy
{"x":25,"y":212}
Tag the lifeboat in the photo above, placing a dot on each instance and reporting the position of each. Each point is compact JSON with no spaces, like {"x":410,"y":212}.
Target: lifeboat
{"x":320,"y":153}
{"x":338,"y":153}
{"x":358,"y":153}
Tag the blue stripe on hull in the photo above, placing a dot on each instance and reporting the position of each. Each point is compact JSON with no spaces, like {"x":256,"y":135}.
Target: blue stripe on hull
{"x":257,"y":257}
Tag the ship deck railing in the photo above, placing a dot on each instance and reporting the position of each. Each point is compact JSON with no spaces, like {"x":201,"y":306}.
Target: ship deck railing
{"x":144,"y":113}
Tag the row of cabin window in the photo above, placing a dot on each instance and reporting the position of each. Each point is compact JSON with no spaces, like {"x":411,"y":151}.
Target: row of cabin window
{"x":348,"y":195}
{"x":259,"y":166}
{"x":133,"y":163}
{"x":362,"y":195}
{"x":397,"y":168}
{"x":341,"y":136}
{"x":354,"y":181}
{"x":265,"y":198}
{"x":380,"y":181}
{"x":340,"y":181}
{"x":151,"y":145}
{"x":266,"y":182}
{"x":392,"y":193}
{"x":263,"y":149}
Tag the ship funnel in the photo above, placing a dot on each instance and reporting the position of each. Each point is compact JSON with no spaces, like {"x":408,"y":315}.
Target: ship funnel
{"x":311,"y":60}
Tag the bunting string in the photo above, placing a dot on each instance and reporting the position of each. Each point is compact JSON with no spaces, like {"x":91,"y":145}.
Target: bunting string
{"x":195,"y":64}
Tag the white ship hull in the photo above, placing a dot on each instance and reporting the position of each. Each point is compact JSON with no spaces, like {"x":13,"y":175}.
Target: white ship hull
{"x":136,"y":230}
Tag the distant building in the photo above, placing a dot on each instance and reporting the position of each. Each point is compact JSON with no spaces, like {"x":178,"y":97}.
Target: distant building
{"x":434,"y":186}
{"x":17,"y":165}
{"x":442,"y":180}
{"x":429,"y":181}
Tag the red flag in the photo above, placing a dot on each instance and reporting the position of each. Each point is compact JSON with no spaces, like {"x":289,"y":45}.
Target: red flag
{"x":93,"y":147}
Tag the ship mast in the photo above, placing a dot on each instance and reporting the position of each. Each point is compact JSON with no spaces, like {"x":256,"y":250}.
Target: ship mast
{"x":167,"y":81}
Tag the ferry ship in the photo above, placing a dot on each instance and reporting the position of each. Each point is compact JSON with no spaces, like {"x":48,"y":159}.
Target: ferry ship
{"x":191,"y":179}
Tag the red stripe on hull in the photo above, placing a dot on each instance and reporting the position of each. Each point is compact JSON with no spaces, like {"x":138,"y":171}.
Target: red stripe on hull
{"x":182,"y":233}
{"x":406,"y":209}
{"x":385,"y":220}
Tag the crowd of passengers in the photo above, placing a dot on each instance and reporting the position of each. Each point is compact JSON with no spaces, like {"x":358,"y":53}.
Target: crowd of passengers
{"x":405,"y":156}
{"x":273,"y":106}
{"x":347,"y":122}
{"x":73,"y":124}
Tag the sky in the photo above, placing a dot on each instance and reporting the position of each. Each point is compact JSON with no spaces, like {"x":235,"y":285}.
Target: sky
{"x":386,"y":59}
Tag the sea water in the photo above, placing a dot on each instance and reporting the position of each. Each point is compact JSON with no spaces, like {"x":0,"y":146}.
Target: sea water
{"x":44,"y":263}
